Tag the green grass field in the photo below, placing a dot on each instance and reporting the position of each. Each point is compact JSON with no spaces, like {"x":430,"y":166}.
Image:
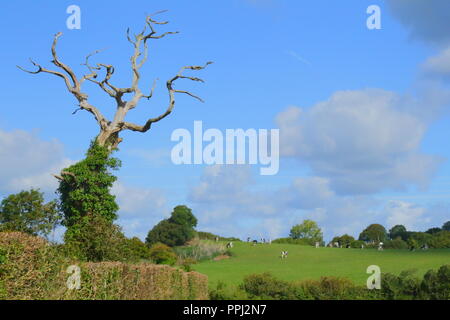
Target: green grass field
{"x":310,"y":263}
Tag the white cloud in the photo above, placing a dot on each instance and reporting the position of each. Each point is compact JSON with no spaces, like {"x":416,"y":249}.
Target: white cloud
{"x":27,"y":161}
{"x":362,"y":141}
{"x":404,"y":213}
{"x":439,"y":65}
{"x":140,"y":208}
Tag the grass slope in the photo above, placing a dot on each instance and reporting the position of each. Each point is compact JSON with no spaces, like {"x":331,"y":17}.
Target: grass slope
{"x":310,"y":263}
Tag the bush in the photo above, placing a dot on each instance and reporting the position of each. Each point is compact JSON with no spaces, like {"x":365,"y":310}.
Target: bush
{"x":333,"y":288}
{"x":162,"y":254}
{"x":356,"y":244}
{"x":136,"y":250}
{"x":436,"y":285}
{"x":29,"y":266}
{"x":144,"y":281}
{"x":96,"y":239}
{"x":397,"y":243}
{"x":344,"y":240}
{"x":224,"y":292}
{"x":201,"y":250}
{"x":402,"y":287}
{"x":302,"y":242}
{"x":32,"y":269}
{"x":210,"y":236}
{"x":440,"y":240}
{"x":267,"y":287}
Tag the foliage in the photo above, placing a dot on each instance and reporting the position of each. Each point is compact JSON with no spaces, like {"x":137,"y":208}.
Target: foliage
{"x":210,"y":236}
{"x":29,"y":266}
{"x":421,"y":238}
{"x":308,"y":229}
{"x":266,"y":286}
{"x":374,"y":232}
{"x":303,"y":242}
{"x":440,"y":240}
{"x":136,"y":249}
{"x":85,"y":188}
{"x":201,"y":250}
{"x":27,"y":212}
{"x":183,"y":216}
{"x":344,"y":240}
{"x":357,"y":244}
{"x":175,"y":231}
{"x":222,"y":291}
{"x":446,"y":226}
{"x":436,"y":285}
{"x":397,"y":243}
{"x":162,"y":254}
{"x":433,"y":286}
{"x":31,"y":269}
{"x":433,"y":230}
{"x":96,"y":239}
{"x":398,"y":231}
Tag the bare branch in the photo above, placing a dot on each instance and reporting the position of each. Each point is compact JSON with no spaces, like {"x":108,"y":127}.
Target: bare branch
{"x":172,"y":91}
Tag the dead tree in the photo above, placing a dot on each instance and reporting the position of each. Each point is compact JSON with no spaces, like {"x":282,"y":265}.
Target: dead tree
{"x":110,"y":129}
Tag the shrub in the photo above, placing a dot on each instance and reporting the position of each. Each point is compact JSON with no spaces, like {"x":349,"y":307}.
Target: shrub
{"x":136,"y":250}
{"x":29,"y":266}
{"x":436,"y":285}
{"x":440,"y":240}
{"x":402,"y":287}
{"x":333,"y":288}
{"x":201,"y":250}
{"x":144,"y":281}
{"x":344,"y":240}
{"x":224,"y":292}
{"x":356,"y":244}
{"x":96,"y":239}
{"x":162,"y":254}
{"x":265,"y":286}
{"x":210,"y":236}
{"x":397,"y":243}
{"x":303,"y":242}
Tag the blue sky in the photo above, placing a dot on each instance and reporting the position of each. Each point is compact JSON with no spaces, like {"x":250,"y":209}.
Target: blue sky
{"x":363,"y":114}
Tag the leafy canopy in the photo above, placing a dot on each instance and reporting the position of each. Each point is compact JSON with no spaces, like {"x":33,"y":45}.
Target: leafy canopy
{"x":27,"y":212}
{"x":308,"y":229}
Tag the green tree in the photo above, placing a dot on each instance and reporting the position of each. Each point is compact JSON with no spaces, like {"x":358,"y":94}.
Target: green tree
{"x":308,"y":230}
{"x":182,"y":215}
{"x":446,"y":226}
{"x":398,"y":231}
{"x":85,"y":187}
{"x":27,"y":212}
{"x":433,"y":230}
{"x":176,"y":230}
{"x":374,"y":232}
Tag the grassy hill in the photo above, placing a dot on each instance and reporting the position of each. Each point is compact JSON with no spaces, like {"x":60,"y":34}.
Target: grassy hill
{"x":310,"y":263}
